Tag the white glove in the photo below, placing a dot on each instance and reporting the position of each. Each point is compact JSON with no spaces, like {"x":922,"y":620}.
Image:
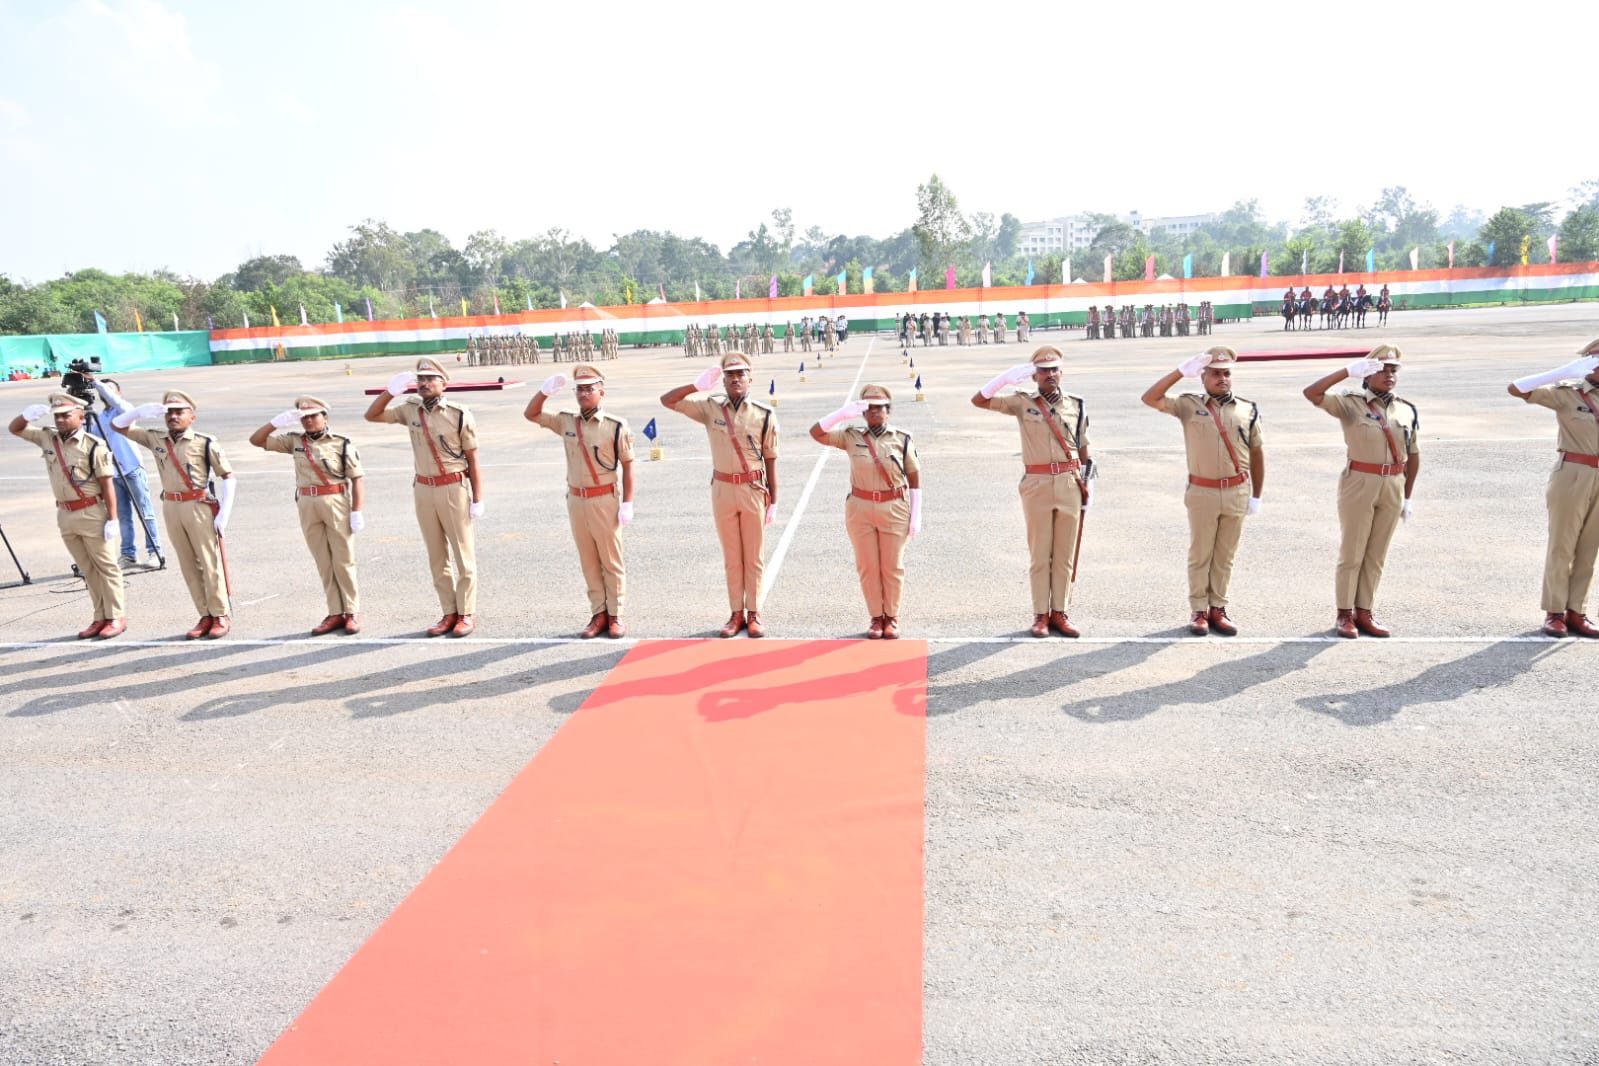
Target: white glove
{"x":225,"y":489}
{"x":1088,"y":495}
{"x":110,"y":530}
{"x":624,"y":513}
{"x":1014,"y":376}
{"x":916,"y":511}
{"x":771,"y":513}
{"x":553,"y":384}
{"x":1254,"y":505}
{"x":1407,"y":510}
{"x":709,"y":378}
{"x":1362,"y":368}
{"x":475,"y":509}
{"x":1190,"y":368}
{"x":35,"y":411}
{"x":357,"y":521}
{"x":400,"y":382}
{"x":850,"y":410}
{"x":1577,"y":368}
{"x":287,"y":420}
{"x":133,"y":414}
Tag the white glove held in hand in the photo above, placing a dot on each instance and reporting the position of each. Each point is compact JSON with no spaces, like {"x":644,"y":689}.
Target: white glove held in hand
{"x":624,"y":513}
{"x":1014,"y":376}
{"x":1088,"y":495}
{"x":709,"y":378}
{"x":1362,"y":368}
{"x":287,"y":420}
{"x":850,"y":410}
{"x":357,"y":521}
{"x":225,"y":488}
{"x":916,"y":511}
{"x":1191,"y":368}
{"x":553,"y":384}
{"x":1254,"y":505}
{"x":771,"y":513}
{"x":400,"y":382}
{"x":1577,"y":368}
{"x":1407,"y":510}
{"x":35,"y":411}
{"x":475,"y":509}
{"x":110,"y":530}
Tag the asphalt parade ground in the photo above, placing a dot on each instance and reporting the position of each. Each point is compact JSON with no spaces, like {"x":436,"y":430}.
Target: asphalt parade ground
{"x":1137,"y":847}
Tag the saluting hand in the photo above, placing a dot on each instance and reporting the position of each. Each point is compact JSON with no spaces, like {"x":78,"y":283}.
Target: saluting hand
{"x":400,"y":382}
{"x":35,"y":411}
{"x":287,"y":420}
{"x":1192,"y":368}
{"x":553,"y":384}
{"x":708,"y":379}
{"x":1363,"y":368}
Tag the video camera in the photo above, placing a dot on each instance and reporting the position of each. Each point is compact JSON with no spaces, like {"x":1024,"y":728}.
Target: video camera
{"x":78,"y":379}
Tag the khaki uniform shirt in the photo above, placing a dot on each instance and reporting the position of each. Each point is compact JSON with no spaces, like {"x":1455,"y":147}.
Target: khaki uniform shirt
{"x":1039,"y":445}
{"x":607,"y":444}
{"x":1207,"y":455}
{"x":88,"y":458}
{"x":335,"y":455}
{"x":895,"y":452}
{"x":754,"y":424}
{"x":189,"y":452}
{"x":449,"y":426}
{"x":1363,"y":434}
{"x":1574,"y":412}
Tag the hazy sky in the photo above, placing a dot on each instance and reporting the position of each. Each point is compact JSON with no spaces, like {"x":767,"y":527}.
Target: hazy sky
{"x":139,"y":134}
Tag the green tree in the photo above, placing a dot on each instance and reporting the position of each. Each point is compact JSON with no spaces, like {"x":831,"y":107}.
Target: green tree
{"x":252,"y":274}
{"x":373,"y":255}
{"x":1579,"y":235}
{"x":940,"y":227}
{"x":1505,"y":231}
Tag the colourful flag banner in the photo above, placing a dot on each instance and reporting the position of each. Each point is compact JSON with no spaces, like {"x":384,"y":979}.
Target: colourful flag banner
{"x":1265,"y":264}
{"x":174,"y":322}
{"x":303,"y":320}
{"x":910,"y":283}
{"x":1415,"y":258}
{"x":1188,"y":265}
{"x":627,"y":292}
{"x":866,"y":280}
{"x":1149,"y":269}
{"x":1108,"y":259}
{"x":274,"y":310}
{"x":99,"y":322}
{"x":369,"y":315}
{"x":1226,"y":264}
{"x":563,"y":297}
{"x":649,"y":429}
{"x":1030,"y":274}
{"x":1371,"y":260}
{"x":1552,"y":242}
{"x":464,"y":311}
{"x":949,"y":278}
{"x":338,"y":311}
{"x":246,"y":319}
{"x":529,"y":300}
{"x":843,"y":282}
{"x":1491,"y":252}
{"x":1451,"y":255}
{"x":808,"y":284}
{"x":988,"y":275}
{"x":771,"y":288}
{"x":1526,"y":249}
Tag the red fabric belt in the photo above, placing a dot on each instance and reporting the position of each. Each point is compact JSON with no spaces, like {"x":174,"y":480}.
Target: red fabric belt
{"x":1578,"y":457}
{"x":596,"y":490}
{"x":878,"y":495}
{"x":738,"y":479}
{"x":184,"y":497}
{"x":319,"y":490}
{"x":1213,"y":483}
{"x":435,"y":482}
{"x":1070,"y":467}
{"x":1382,"y":469}
{"x":77,"y":505}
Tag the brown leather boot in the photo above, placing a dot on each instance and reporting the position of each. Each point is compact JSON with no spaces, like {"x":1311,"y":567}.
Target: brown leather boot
{"x":1199,"y":625}
{"x":875,"y":630}
{"x":220,"y":626}
{"x":1367,"y":624}
{"x":1576,"y":622}
{"x":1345,"y":626}
{"x":1554,"y":625}
{"x":596,"y":626}
{"x":1040,"y":626}
{"x":352,"y":623}
{"x":98,"y":624}
{"x":115,"y":627}
{"x":753,"y":624}
{"x":1061,"y":625}
{"x":615,"y":628}
{"x":734,"y":624}
{"x":201,"y":628}
{"x":464,"y":626}
{"x":890,"y":627}
{"x":443,"y":625}
{"x":328,"y":625}
{"x":1221,"y":623}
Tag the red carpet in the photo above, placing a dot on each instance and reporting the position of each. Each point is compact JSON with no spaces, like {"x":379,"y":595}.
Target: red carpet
{"x":717,"y":860}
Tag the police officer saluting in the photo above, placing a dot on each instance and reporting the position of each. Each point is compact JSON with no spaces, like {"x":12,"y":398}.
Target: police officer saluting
{"x":328,"y":492}
{"x":1572,"y":495}
{"x":1382,"y":433}
{"x":448,"y":491}
{"x":599,"y":490}
{"x":1226,"y":472}
{"x":79,"y":466}
{"x":195,"y":519}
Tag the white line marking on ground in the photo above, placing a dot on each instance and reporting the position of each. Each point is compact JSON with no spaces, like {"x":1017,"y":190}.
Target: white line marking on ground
{"x":263,"y":599}
{"x":769,"y":575}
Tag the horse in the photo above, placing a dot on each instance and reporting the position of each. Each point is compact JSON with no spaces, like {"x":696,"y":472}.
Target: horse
{"x":1288,"y":312}
{"x":1362,"y":305}
{"x":1385,"y":304}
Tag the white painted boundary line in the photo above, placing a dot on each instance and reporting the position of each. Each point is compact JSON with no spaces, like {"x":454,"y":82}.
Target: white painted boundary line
{"x":769,"y":575}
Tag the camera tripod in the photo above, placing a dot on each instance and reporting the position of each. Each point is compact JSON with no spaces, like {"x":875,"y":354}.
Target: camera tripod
{"x":26,"y":580}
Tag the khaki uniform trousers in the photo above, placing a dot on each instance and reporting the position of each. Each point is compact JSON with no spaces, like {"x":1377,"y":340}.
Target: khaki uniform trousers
{"x":740,"y":514}
{"x":325,"y":521}
{"x":1052,"y":505}
{"x":441,"y":512}
{"x":83,"y":532}
{"x":1215,"y":523}
{"x":879,"y":532}
{"x":191,"y":527}
{"x":1368,"y":512}
{"x":599,"y":548}
{"x":1573,"y":499}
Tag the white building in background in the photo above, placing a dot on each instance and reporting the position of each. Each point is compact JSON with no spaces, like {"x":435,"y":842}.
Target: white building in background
{"x":1073,"y":233}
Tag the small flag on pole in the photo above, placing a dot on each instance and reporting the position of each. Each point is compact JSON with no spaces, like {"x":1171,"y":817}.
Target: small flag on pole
{"x":370,"y":316}
{"x":99,"y":322}
{"x":431,"y":312}
{"x":174,"y":322}
{"x":1526,"y":249}
{"x":529,"y":300}
{"x":338,"y":311}
{"x":138,"y":323}
{"x":867,"y":284}
{"x":1226,"y":264}
{"x":463,"y":307}
{"x":918,"y":383}
{"x":1265,"y":263}
{"x":246,"y":319}
{"x":303,"y":320}
{"x":274,"y":310}
{"x":1188,"y":265}
{"x":563,"y":299}
{"x":771,"y":288}
{"x":1149,"y":269}
{"x":1304,"y":260}
{"x":808,"y":284}
{"x":1491,"y":252}
{"x":911,"y":281}
{"x":1552,"y":242}
{"x":843,"y":281}
{"x":1340,"y":261}
{"x":771,"y":390}
{"x":1108,"y":260}
{"x":650,"y":430}
{"x":1030,"y":274}
{"x":661,"y":285}
{"x":1451,"y":255}
{"x":988,"y":274}
{"x":949,"y":278}
{"x":210,"y":323}
{"x":1415,"y":258}
{"x":738,"y":289}
{"x":1371,"y":260}
{"x":496,"y":303}
{"x":697,"y":296}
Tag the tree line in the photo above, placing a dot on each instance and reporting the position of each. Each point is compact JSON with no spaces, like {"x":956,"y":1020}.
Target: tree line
{"x":413,"y":275}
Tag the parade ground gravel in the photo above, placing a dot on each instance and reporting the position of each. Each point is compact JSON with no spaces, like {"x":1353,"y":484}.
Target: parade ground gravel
{"x":1141,"y":847}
